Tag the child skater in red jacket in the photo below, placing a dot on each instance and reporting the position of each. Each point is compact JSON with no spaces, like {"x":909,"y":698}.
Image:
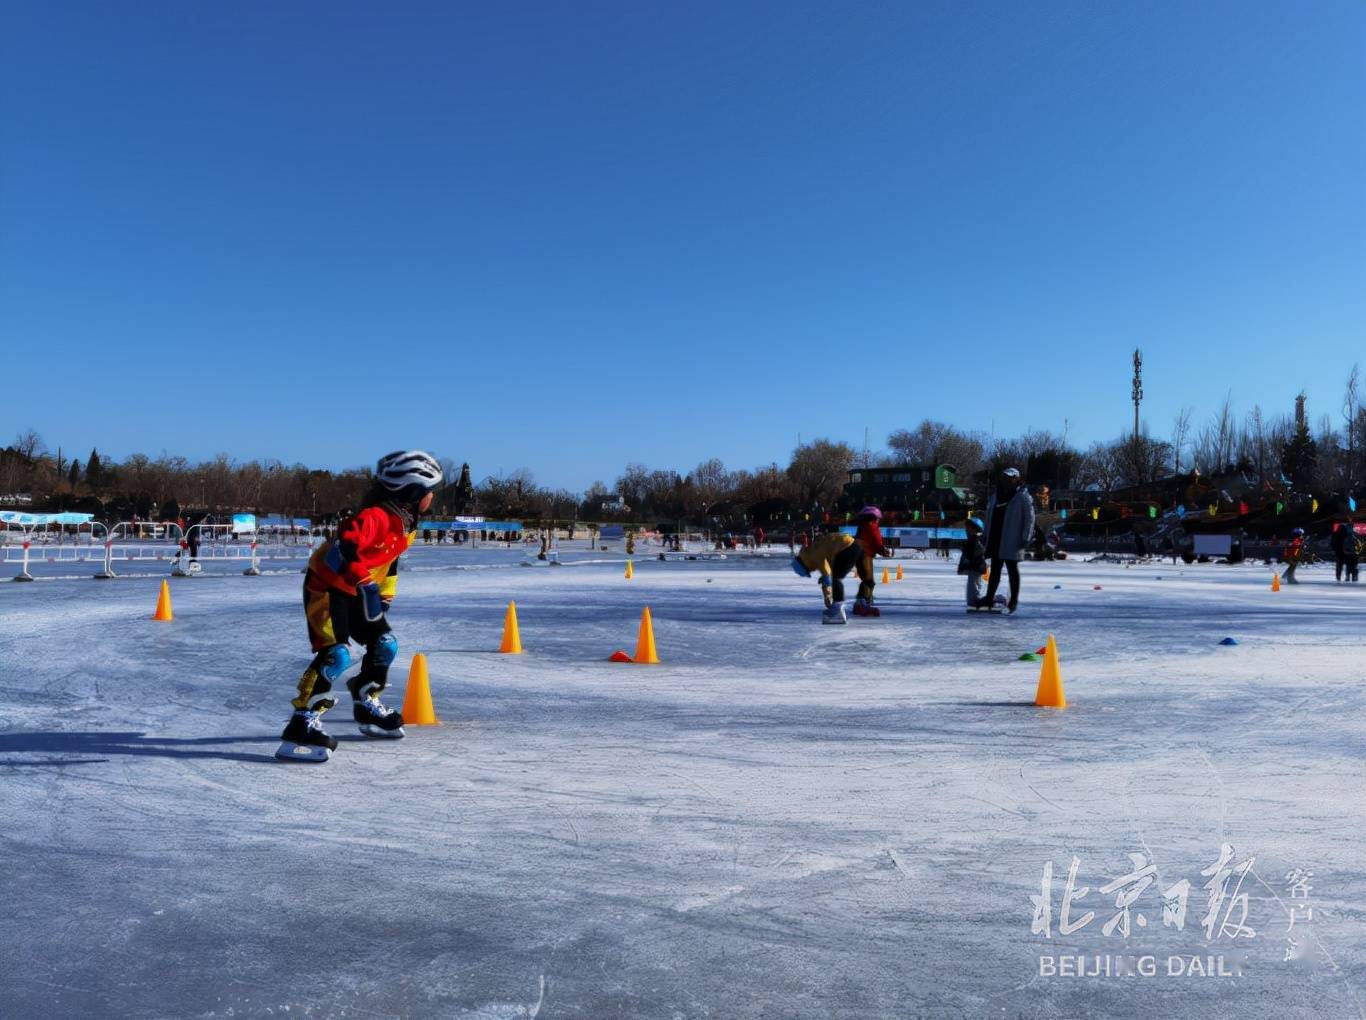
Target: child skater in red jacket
{"x":348,"y":586}
{"x":869,"y":538}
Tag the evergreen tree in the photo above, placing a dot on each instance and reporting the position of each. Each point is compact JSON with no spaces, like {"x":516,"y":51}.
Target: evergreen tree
{"x":94,"y":471}
{"x":1300,"y":456}
{"x":74,"y":475}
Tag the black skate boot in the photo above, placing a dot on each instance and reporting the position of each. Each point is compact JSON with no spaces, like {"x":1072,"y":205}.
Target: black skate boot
{"x":374,"y":718}
{"x":304,"y":739}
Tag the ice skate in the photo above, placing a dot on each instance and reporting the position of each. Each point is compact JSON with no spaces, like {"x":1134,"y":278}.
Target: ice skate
{"x":373,"y":717}
{"x":834,"y":614}
{"x":304,"y":740}
{"x":862,"y":607}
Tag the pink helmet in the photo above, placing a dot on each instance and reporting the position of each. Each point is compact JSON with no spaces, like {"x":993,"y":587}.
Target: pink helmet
{"x":871,"y":511}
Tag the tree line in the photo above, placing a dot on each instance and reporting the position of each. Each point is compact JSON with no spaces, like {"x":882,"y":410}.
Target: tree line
{"x":1280,"y":452}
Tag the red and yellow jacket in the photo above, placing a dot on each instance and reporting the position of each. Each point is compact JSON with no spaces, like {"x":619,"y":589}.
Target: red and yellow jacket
{"x":870,"y":537}
{"x":367,"y":548}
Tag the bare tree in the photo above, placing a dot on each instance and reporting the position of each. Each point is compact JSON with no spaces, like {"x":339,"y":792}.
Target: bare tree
{"x":1215,"y":443}
{"x":764,"y":483}
{"x":1098,"y":467}
{"x":933,"y":442}
{"x":818,"y":470}
{"x":709,"y":483}
{"x":1257,"y":437}
{"x":1181,"y":430}
{"x":1224,"y":431}
{"x":1138,"y":458}
{"x":29,"y":445}
{"x":1351,"y":414}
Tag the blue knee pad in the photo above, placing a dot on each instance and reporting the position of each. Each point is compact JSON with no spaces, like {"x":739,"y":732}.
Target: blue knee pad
{"x":385,"y":650}
{"x":334,"y":661}
{"x":326,"y":670}
{"x":374,"y":668}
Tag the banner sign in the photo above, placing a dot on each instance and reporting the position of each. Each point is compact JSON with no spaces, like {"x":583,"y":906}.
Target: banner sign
{"x":470,"y":524}
{"x":1213,"y":545}
{"x":283,"y":522}
{"x":914,"y":538}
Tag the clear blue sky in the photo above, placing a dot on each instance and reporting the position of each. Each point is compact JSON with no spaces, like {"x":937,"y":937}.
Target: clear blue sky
{"x":568,"y":235}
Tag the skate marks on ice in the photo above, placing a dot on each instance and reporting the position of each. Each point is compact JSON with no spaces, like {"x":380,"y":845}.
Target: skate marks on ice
{"x":787,"y":802}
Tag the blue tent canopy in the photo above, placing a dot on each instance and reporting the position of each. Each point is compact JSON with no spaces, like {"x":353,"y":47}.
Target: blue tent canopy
{"x":37,"y":520}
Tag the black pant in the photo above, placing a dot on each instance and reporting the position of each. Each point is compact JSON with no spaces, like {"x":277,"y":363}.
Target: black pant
{"x":845,"y":560}
{"x":994,"y":581}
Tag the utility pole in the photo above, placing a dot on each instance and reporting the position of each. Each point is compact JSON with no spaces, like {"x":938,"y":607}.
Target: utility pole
{"x":1138,"y":386}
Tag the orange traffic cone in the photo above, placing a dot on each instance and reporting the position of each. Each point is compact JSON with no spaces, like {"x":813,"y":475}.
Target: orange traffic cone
{"x":1275,"y":582}
{"x":1049,"y":694}
{"x":163,"y":612}
{"x":417,"y":699}
{"x":630,"y":570}
{"x":645,"y":643}
{"x":512,"y":638}
{"x":900,"y":575}
{"x":885,"y":576}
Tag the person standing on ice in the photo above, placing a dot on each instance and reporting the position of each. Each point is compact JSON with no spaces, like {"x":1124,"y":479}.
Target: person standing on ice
{"x":1342,"y":532}
{"x":1292,"y":554}
{"x":1010,"y":526}
{"x":348,"y":586}
{"x":973,"y":561}
{"x":830,"y":557}
{"x":869,"y":539}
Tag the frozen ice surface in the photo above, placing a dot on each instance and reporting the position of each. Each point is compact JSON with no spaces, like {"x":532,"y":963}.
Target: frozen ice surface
{"x":782,"y":820}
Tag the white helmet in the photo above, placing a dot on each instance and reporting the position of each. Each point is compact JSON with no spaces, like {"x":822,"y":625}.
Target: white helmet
{"x":408,"y":474}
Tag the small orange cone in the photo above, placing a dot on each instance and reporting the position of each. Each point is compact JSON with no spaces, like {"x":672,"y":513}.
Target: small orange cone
{"x":986,"y":576}
{"x":163,"y":612}
{"x":885,"y":576}
{"x":512,"y":637}
{"x":1049,"y":694}
{"x":900,"y":574}
{"x":417,"y":699}
{"x":1275,"y":582}
{"x":645,"y":643}
{"x":630,"y":570}
{"x":618,"y":656}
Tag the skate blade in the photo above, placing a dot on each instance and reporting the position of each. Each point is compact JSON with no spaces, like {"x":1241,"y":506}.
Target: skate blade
{"x":371,"y":730}
{"x":290,"y":751}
